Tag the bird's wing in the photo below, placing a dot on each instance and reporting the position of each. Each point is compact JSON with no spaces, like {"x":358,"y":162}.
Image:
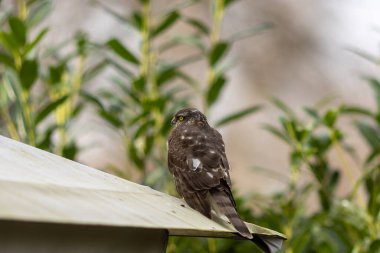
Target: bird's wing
{"x":199,"y":160}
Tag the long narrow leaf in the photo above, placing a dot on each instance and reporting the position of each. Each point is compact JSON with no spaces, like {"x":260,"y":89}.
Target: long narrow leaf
{"x":6,"y":60}
{"x":28,"y":73}
{"x":370,"y":134}
{"x":217,"y":52}
{"x":18,"y":30}
{"x":283,"y":107}
{"x":91,"y":98}
{"x":122,"y":51}
{"x":351,"y":109}
{"x":238,"y":115}
{"x":215,"y":90}
{"x":276,"y":132}
{"x":110,"y":118}
{"x":30,"y":46}
{"x":168,"y":21}
{"x":38,"y":12}
{"x":47,"y":109}
{"x":375,"y":85}
{"x":94,"y":70}
{"x":198,"y":25}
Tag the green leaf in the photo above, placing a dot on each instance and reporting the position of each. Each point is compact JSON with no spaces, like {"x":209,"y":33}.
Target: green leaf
{"x":30,"y":46}
{"x":18,"y":29}
{"x":143,"y":129}
{"x":375,"y":85}
{"x":215,"y":89}
{"x":94,"y":70}
{"x":217,"y":52}
{"x":149,"y":141}
{"x":312,"y":113}
{"x":13,"y":87}
{"x":8,"y":42}
{"x":228,"y":2}
{"x":45,"y":138}
{"x":70,"y":150}
{"x":283,"y":107}
{"x":238,"y":115}
{"x":47,"y":109}
{"x":91,"y":98}
{"x":38,"y":13}
{"x":127,"y":91}
{"x":28,"y":73}
{"x":199,"y":25}
{"x":168,"y":21}
{"x":370,"y":134}
{"x":249,"y":32}
{"x":191,"y":40}
{"x":6,"y":60}
{"x":276,"y":132}
{"x":110,"y":118}
{"x":330,"y":117}
{"x":139,"y":83}
{"x":122,"y":51}
{"x":136,"y":21}
{"x":166,"y":75}
{"x":121,"y":68}
{"x":186,"y":78}
{"x":56,"y":73}
{"x":375,"y":246}
{"x":112,"y":12}
{"x":351,"y":109}
{"x":133,"y":155}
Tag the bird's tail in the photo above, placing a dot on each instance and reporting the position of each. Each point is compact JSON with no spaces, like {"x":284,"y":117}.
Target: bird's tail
{"x":226,"y":206}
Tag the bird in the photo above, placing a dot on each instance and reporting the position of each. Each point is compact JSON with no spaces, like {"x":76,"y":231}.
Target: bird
{"x":198,"y":163}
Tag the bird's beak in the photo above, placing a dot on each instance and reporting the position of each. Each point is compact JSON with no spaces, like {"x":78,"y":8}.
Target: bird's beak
{"x":174,"y":121}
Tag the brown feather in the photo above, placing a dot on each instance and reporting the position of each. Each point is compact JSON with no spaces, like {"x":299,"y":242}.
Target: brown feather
{"x":198,"y":162}
{"x":223,"y":200}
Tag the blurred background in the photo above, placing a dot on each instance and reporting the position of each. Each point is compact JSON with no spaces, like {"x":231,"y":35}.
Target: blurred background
{"x":291,"y":85}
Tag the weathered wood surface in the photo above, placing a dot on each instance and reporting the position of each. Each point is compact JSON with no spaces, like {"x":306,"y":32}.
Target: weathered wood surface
{"x":37,"y":186}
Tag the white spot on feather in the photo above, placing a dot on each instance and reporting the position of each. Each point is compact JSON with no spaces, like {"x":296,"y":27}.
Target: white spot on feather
{"x":190,"y":137}
{"x":210,"y":175}
{"x":182,"y":137}
{"x":212,"y":151}
{"x":196,"y":163}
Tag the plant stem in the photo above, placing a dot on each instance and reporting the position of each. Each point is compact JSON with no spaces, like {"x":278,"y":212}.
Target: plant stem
{"x":11,"y":127}
{"x":22,"y":9}
{"x":346,"y":167}
{"x":217,"y":7}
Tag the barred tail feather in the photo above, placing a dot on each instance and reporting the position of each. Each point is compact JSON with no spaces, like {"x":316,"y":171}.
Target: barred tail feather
{"x":224,"y":203}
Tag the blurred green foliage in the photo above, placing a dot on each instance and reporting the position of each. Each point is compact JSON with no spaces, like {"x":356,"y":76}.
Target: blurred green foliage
{"x":40,"y":83}
{"x":43,"y":91}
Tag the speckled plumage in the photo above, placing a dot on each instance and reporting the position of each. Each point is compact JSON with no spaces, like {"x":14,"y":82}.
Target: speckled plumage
{"x":198,"y":163}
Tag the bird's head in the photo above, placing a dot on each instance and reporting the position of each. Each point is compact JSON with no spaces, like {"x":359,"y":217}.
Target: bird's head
{"x":189,"y":116}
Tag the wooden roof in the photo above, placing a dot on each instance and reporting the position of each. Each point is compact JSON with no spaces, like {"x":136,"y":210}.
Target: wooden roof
{"x":38,"y":186}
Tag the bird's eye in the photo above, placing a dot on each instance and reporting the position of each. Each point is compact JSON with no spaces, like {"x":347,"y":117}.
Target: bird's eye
{"x":181,"y":118}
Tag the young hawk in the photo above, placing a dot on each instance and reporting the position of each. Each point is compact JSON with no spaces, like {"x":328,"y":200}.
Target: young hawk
{"x":198,"y":163}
